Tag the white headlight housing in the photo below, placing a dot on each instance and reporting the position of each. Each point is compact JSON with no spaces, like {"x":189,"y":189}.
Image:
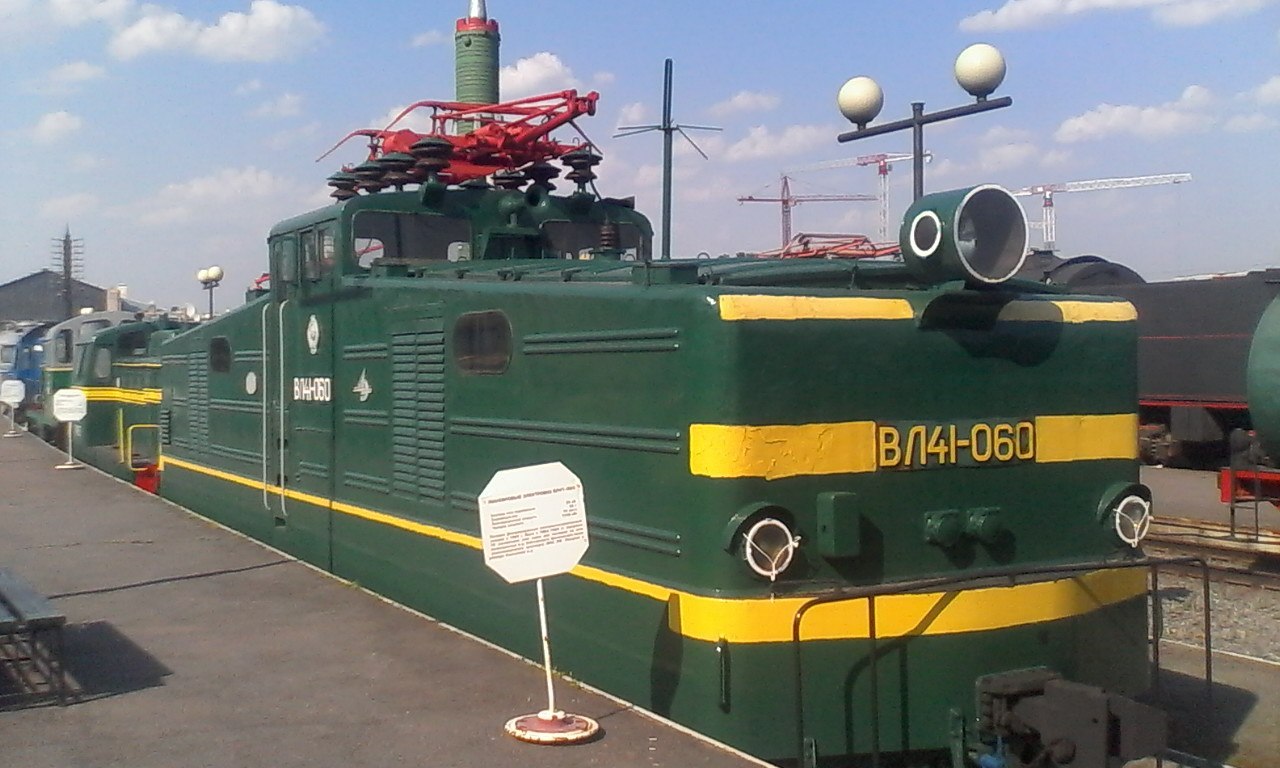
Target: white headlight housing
{"x":769,"y":546}
{"x":1132,"y":519}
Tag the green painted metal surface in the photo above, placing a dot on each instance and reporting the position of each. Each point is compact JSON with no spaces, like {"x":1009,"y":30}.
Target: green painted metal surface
{"x":413,"y":344}
{"x":1263,"y":377}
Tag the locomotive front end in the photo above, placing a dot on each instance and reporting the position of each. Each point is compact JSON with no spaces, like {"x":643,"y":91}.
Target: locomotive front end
{"x":932,"y":494}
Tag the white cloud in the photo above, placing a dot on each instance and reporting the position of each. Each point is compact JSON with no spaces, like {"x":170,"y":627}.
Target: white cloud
{"x":67,"y":77}
{"x":76,"y":12}
{"x":632,"y":114}
{"x":55,"y":126}
{"x":1176,"y":117}
{"x":269,"y":31}
{"x":1056,"y":158}
{"x":253,"y":86}
{"x":1003,"y":157}
{"x":229,"y":187}
{"x":287,"y":105}
{"x":1025,"y":14}
{"x":69,"y":206}
{"x":760,"y":142}
{"x":85,"y":162}
{"x":745,"y":101}
{"x":429,"y":38}
{"x":540,"y":73}
{"x":1267,"y":93}
{"x":1194,"y":13}
{"x":1249,"y":123}
{"x":418,"y":121}
{"x":1000,"y":134}
{"x":294,"y":138}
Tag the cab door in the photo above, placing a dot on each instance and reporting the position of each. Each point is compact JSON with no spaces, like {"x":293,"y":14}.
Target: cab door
{"x":298,"y":404}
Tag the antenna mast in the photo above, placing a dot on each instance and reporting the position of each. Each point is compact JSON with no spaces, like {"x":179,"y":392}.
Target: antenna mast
{"x":669,"y":129}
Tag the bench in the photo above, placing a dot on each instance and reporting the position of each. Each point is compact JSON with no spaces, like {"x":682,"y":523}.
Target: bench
{"x":31,"y":644}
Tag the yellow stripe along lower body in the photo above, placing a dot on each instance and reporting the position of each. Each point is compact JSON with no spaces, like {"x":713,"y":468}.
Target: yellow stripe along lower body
{"x":768,"y":620}
{"x":790,"y":450}
{"x":121,"y":395}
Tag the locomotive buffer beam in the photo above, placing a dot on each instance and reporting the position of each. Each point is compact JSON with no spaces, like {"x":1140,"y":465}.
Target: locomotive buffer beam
{"x":1047,"y":721}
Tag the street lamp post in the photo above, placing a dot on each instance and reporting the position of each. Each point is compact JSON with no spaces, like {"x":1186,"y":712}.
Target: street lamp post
{"x":210,"y":277}
{"x":979,"y":70}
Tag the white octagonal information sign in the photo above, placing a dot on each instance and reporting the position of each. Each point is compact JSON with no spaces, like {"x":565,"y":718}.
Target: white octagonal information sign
{"x":12,"y":391}
{"x":533,"y":522}
{"x":69,"y":405}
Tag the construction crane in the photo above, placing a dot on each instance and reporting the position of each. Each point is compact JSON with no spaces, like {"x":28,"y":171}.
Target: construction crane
{"x":790,"y":201}
{"x":883,"y":163}
{"x":1047,"y":191}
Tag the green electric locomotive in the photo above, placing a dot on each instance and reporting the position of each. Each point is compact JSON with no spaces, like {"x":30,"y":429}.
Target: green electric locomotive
{"x":119,"y":370}
{"x":837,"y":508}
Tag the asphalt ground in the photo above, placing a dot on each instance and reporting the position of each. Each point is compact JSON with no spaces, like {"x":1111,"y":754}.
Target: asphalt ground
{"x":189,"y":645}
{"x":1193,"y":494}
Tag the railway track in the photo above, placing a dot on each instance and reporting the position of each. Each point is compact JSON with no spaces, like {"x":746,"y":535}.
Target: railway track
{"x":1247,"y":557}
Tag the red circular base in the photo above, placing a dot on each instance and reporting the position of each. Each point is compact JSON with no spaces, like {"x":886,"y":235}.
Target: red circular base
{"x":552,"y":728}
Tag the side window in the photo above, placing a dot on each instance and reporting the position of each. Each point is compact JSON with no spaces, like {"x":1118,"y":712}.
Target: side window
{"x":102,"y":364}
{"x":284,"y":261}
{"x":220,"y":354}
{"x":62,"y":346}
{"x":482,"y":342}
{"x":310,"y":257}
{"x":328,"y":250}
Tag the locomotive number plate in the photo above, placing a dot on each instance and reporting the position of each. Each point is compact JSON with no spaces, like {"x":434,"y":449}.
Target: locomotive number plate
{"x":931,"y":445}
{"x":314,"y":389}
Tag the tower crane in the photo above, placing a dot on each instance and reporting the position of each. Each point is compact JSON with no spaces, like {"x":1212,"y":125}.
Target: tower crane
{"x":1047,"y":191}
{"x":790,"y":201}
{"x":883,"y":163}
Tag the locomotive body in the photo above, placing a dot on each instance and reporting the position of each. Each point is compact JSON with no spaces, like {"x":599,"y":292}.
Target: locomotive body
{"x":63,"y":346}
{"x":119,"y":371}
{"x":751,"y":436}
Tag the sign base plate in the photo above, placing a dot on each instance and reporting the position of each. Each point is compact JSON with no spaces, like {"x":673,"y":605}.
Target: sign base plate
{"x":552,"y":728}
{"x":69,"y":465}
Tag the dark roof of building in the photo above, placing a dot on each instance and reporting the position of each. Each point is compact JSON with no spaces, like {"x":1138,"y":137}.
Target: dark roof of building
{"x":38,"y":297}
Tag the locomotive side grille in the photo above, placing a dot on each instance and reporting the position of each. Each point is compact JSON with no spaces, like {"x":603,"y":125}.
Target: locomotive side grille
{"x":417,"y":421}
{"x":198,"y":398}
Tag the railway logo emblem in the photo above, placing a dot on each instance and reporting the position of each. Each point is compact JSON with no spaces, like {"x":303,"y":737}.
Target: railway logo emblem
{"x":251,"y":383}
{"x":313,"y":334}
{"x":362,"y":387}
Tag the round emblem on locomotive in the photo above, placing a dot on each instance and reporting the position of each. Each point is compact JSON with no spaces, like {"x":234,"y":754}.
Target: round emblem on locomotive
{"x":251,"y":383}
{"x":313,"y":334}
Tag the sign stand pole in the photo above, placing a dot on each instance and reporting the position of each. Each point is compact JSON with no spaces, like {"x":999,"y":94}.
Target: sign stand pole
{"x":13,"y":424}
{"x":70,"y":463}
{"x":550,"y":713}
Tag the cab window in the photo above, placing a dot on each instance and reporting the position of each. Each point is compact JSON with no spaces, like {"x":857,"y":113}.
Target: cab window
{"x":310,"y":257}
{"x":383,"y":237}
{"x":578,"y":240}
{"x":62,"y":346}
{"x":283,"y":259}
{"x":102,"y":364}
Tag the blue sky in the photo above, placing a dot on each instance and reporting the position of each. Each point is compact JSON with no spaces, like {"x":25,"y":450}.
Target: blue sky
{"x":172,"y":135}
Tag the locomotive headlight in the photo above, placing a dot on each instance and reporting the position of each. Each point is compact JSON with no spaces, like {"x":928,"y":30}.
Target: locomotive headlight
{"x":1126,"y":509}
{"x":1132,"y":519}
{"x":769,"y":547}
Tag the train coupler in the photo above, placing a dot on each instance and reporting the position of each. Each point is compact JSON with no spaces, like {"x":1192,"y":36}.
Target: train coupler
{"x":1033,"y":717}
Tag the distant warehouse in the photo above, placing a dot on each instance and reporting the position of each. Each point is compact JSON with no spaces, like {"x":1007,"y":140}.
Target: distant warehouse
{"x":39,"y":297}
